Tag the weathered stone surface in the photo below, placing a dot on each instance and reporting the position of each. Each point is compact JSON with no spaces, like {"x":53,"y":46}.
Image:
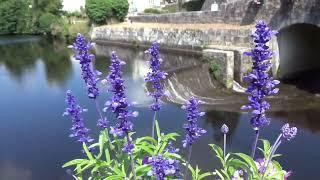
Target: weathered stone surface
{"x":173,"y":38}
{"x":224,"y":61}
{"x":279,"y":13}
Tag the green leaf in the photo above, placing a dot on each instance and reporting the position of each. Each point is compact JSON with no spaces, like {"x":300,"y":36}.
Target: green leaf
{"x":266,"y":148}
{"x":86,"y":150}
{"x":217,"y":149}
{"x":101,"y":145}
{"x":220,"y":175}
{"x":107,"y":155}
{"x":114,"y":177}
{"x":277,"y":165}
{"x":74,"y":162}
{"x":249,"y":161}
{"x":204,"y":175}
{"x":142,"y":170}
{"x":146,"y":138}
{"x":277,"y":175}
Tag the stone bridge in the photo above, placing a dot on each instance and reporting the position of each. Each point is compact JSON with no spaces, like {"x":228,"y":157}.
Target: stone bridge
{"x":297,"y":21}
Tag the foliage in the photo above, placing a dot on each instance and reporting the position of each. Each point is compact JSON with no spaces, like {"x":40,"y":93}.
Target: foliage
{"x":172,"y":8}
{"x":215,"y":69}
{"x":23,"y":16}
{"x":46,"y":21}
{"x":194,"y":5}
{"x":111,"y":162}
{"x":233,"y":163}
{"x":152,"y":11}
{"x":15,"y":16}
{"x":120,"y":9}
{"x":100,"y":10}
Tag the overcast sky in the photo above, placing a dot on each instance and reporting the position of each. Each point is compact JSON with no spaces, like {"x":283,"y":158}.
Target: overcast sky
{"x":73,"y":5}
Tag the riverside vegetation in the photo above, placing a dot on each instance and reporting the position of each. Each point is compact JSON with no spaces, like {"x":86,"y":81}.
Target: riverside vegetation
{"x":118,"y":154}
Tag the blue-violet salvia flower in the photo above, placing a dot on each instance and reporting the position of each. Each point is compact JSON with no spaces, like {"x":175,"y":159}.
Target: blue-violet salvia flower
{"x":103,"y":123}
{"x":261,"y":84}
{"x":193,"y":131}
{"x":78,"y":129}
{"x":224,"y":129}
{"x":162,"y":167}
{"x":155,"y":76}
{"x":288,"y":133}
{"x":171,"y":149}
{"x":82,"y":48}
{"x":119,"y":102}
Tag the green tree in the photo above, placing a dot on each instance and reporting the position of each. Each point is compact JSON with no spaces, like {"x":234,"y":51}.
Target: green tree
{"x":100,"y":10}
{"x":15,"y":16}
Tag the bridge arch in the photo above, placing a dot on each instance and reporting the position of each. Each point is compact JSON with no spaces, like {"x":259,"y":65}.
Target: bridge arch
{"x":299,"y":53}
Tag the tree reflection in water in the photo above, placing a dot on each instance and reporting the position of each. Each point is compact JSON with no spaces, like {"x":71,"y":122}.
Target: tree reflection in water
{"x":21,"y":58}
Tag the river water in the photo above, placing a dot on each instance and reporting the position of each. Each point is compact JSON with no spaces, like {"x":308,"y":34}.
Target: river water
{"x":35,"y":74}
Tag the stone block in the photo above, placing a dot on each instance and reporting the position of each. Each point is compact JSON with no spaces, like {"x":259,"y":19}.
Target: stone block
{"x":223,"y":62}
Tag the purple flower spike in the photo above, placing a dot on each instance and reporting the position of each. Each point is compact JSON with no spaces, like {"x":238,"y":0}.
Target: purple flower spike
{"x":162,"y":167}
{"x":288,"y":133}
{"x":155,"y":76}
{"x":224,"y":129}
{"x":78,"y":129}
{"x":82,"y":48}
{"x":261,"y":84}
{"x":193,"y":132}
{"x":119,"y":102}
{"x":103,"y":123}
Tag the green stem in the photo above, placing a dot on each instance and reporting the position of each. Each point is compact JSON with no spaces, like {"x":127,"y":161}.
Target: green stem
{"x":153,"y":123}
{"x":255,"y":142}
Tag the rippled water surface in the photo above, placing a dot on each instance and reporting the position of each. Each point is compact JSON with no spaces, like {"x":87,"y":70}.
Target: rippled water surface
{"x":35,"y":74}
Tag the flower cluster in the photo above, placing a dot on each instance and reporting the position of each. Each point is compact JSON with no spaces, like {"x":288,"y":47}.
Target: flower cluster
{"x":288,"y":133}
{"x":156,"y":75}
{"x":261,"y":84}
{"x":171,"y":149}
{"x":162,"y":167}
{"x":193,"y":132}
{"x":82,"y":53}
{"x":119,"y":102}
{"x":78,"y":129}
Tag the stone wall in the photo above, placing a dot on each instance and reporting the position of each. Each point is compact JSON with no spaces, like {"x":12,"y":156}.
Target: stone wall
{"x":173,"y":38}
{"x":279,"y":13}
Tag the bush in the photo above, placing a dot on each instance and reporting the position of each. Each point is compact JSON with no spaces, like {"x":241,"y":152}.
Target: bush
{"x":99,"y":10}
{"x":45,"y":22}
{"x":171,"y":8}
{"x":195,"y":5}
{"x":152,"y":11}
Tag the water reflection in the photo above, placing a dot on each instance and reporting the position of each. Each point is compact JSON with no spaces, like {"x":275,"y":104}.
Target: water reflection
{"x":21,"y":58}
{"x":217,"y":118}
{"x":12,"y":171}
